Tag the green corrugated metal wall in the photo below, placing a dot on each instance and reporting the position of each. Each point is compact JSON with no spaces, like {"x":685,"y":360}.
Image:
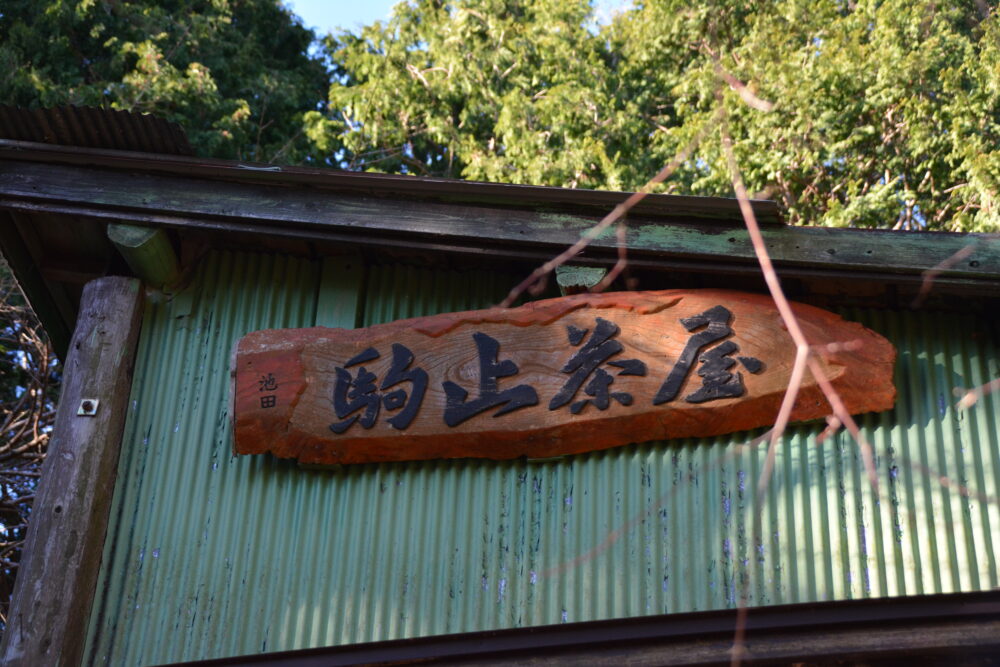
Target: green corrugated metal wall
{"x":209,"y":555}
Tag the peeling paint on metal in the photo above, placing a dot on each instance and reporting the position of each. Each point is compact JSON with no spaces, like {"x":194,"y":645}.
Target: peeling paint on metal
{"x":209,"y":555}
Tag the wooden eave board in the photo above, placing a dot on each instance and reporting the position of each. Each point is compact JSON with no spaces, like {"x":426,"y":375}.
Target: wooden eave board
{"x":715,"y":209}
{"x":314,"y":214}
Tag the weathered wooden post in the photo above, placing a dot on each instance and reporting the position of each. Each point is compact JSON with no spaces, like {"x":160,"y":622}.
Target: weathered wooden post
{"x":62,"y":555}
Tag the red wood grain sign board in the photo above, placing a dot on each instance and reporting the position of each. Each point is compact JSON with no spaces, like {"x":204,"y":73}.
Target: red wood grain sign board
{"x":553,"y":377}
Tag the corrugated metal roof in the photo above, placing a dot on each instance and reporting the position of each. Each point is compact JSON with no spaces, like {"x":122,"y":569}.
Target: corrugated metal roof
{"x":211,"y":556}
{"x":94,"y":127}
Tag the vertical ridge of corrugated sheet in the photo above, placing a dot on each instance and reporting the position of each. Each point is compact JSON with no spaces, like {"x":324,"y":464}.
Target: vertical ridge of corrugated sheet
{"x":209,"y":555}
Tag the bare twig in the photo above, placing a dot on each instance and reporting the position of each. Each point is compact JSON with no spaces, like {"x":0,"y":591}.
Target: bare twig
{"x":844,"y":416}
{"x":748,"y":96}
{"x":931,"y":274}
{"x":616,"y":213}
{"x":742,"y":90}
{"x":791,"y":322}
{"x":802,"y":358}
{"x":795,"y":380}
{"x":972,"y":396}
{"x":784,"y":307}
{"x":616,"y":534}
{"x":950,"y":484}
{"x":620,"y":264}
{"x":27,"y":393}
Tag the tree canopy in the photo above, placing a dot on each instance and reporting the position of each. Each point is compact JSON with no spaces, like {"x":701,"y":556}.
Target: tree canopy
{"x":883,"y":113}
{"x":236,"y":74}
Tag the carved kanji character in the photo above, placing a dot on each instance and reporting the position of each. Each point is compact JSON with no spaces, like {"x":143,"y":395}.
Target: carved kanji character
{"x":267,"y":382}
{"x":353,"y":393}
{"x":458,"y":408}
{"x":400,"y":372}
{"x":598,"y":349}
{"x":717,"y":380}
{"x":357,"y":393}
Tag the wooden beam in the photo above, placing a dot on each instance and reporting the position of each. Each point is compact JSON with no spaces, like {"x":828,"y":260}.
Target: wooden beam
{"x":317,"y":214}
{"x":368,"y":184}
{"x":148,"y":253}
{"x":62,"y":556}
{"x":953,"y":628}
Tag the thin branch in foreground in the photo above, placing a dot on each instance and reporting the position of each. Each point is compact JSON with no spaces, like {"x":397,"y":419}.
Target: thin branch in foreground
{"x":788,"y":316}
{"x":747,"y":95}
{"x":795,"y":380}
{"x":653,"y":507}
{"x":622,"y":262}
{"x":802,"y":348}
{"x":802,"y":357}
{"x":931,"y":274}
{"x":948,"y":483}
{"x":832,"y":426}
{"x":616,"y":214}
{"x":973,"y":396}
{"x":841,"y":412}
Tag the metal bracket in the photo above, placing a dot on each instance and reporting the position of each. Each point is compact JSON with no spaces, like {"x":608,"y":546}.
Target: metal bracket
{"x":88,"y":407}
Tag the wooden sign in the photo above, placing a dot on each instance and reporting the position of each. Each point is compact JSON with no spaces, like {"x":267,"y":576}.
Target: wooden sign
{"x":553,"y":377}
